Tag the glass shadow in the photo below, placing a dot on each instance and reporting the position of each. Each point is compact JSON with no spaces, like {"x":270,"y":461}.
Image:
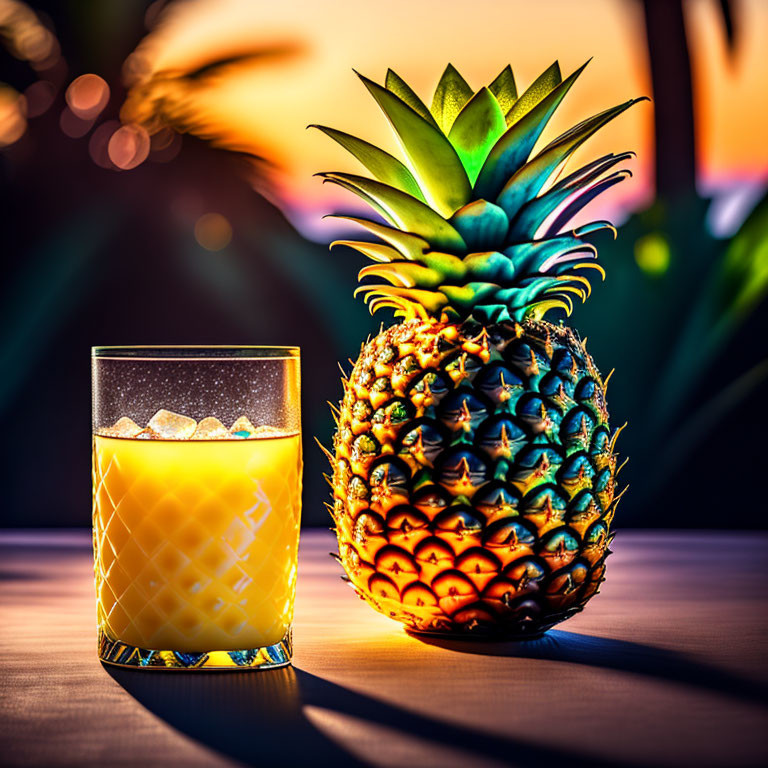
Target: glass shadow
{"x":258,"y":718}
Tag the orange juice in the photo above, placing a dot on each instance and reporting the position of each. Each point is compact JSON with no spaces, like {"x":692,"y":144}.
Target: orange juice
{"x":196,"y":540}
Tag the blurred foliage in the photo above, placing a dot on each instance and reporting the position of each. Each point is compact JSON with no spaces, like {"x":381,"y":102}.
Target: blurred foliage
{"x":161,"y":100}
{"x":664,"y":319}
{"x":743,"y":275}
{"x":671,"y":320}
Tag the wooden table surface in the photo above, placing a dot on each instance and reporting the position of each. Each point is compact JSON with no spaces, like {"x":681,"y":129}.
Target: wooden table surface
{"x":666,"y":667}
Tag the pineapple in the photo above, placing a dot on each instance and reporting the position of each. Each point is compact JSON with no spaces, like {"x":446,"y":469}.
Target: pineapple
{"x":474,"y":468}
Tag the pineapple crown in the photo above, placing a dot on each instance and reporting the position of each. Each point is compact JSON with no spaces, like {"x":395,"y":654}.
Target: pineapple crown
{"x":476,"y":225}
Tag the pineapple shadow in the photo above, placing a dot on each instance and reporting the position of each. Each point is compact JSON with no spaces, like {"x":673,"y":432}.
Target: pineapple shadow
{"x":619,"y":655}
{"x":259,"y":718}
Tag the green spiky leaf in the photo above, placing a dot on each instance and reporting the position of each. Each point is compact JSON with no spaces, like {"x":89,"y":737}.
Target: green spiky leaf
{"x":402,"y":210}
{"x":451,"y":94}
{"x":505,"y":89}
{"x":513,"y":148}
{"x":594,"y":226}
{"x":437,"y":167}
{"x":582,"y":199}
{"x":526,"y":292}
{"x":528,"y":181}
{"x":450,"y":266}
{"x":533,"y":214}
{"x":456,"y":251}
{"x":433,"y":269}
{"x":471,"y":294}
{"x":432,"y":301}
{"x":405,"y":273}
{"x":539,"y":89}
{"x":593,"y":169}
{"x":374,"y":251}
{"x":394,"y":83}
{"x":476,"y":130}
{"x":491,"y":266}
{"x":530,"y":258}
{"x":481,"y":224}
{"x":381,"y":164}
{"x":410,"y":246}
{"x":364,"y":196}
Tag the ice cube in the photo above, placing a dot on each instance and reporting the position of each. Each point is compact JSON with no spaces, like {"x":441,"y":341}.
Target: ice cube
{"x":242,"y":428}
{"x":210,"y":428}
{"x":172,"y":426}
{"x":123,"y":427}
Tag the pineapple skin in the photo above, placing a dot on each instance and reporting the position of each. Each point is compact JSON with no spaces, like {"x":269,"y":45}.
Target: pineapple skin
{"x":474,"y":476}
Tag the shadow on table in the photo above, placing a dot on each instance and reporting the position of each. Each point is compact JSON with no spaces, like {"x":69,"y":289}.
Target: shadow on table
{"x":620,"y":655}
{"x":8,"y":574}
{"x":259,"y":718}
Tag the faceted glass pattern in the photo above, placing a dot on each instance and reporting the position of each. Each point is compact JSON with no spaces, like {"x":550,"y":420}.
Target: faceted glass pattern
{"x":195,"y":545}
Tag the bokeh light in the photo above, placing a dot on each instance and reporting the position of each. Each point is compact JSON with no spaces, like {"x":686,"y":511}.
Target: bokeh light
{"x":72,"y":125}
{"x":40,"y":96}
{"x":186,"y":207}
{"x":87,"y":96}
{"x":162,"y":139}
{"x":34,"y":43}
{"x":128,"y":146}
{"x":98,"y":146}
{"x":652,"y":254}
{"x":165,"y":145}
{"x":213,"y":232}
{"x":13,"y":121}
{"x":26,"y":36}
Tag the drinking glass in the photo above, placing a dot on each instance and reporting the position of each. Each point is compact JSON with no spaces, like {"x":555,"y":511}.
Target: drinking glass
{"x":196,"y":505}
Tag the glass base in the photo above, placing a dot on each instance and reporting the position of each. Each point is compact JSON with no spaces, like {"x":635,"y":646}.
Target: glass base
{"x":123,"y":655}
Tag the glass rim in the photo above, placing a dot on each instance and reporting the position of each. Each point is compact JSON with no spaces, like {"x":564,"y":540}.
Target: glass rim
{"x":195,"y":352}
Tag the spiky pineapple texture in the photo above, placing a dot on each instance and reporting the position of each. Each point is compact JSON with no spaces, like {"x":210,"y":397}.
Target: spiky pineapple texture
{"x":474,"y":467}
{"x":473,"y":229}
{"x":474,"y":476}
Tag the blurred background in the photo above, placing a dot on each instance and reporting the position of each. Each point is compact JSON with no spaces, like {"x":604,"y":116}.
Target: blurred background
{"x":157,"y":188}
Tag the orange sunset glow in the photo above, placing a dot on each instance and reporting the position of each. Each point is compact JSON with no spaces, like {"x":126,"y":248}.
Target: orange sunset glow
{"x":262,"y":104}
